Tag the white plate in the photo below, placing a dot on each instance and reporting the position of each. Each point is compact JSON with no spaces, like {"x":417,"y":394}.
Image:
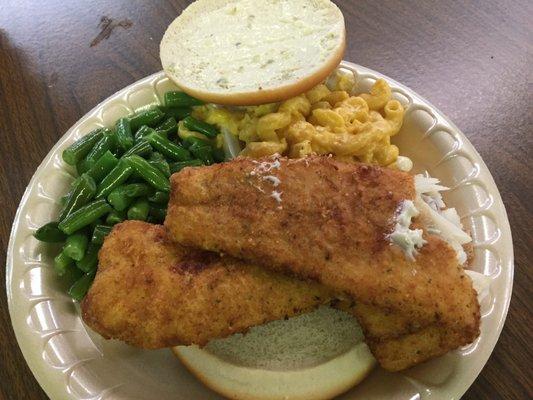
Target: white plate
{"x":71,"y":362}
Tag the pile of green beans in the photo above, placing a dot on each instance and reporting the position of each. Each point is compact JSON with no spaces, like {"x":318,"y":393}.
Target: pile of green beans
{"x":123,"y":173}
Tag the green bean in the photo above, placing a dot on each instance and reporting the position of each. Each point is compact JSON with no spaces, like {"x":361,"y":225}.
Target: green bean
{"x":71,"y":275}
{"x":194,"y":124}
{"x":124,"y":136}
{"x":90,"y":261}
{"x":219,"y":155}
{"x":121,"y":197}
{"x":62,"y":262}
{"x":116,"y":177}
{"x":50,"y":233}
{"x":118,"y":199}
{"x":139,"y":210}
{"x":157,"y":160}
{"x":102,"y":166}
{"x":156,"y":156}
{"x":148,"y":117}
{"x":83,"y":190}
{"x":76,"y":245}
{"x":190,"y":140}
{"x":204,"y":153}
{"x":176,"y":112}
{"x":99,"y":233}
{"x":96,"y":222}
{"x":138,"y":190}
{"x":106,"y":143}
{"x":63,"y":200}
{"x":141,"y":148}
{"x":143,"y":132}
{"x":115,"y":217}
{"x":169,"y":123}
{"x":162,"y":166}
{"x":181,"y":99}
{"x":83,"y":166}
{"x":167,"y":127}
{"x":168,"y":148}
{"x":178,"y":166}
{"x":84,"y":216}
{"x":157,"y":212}
{"x":81,"y":147}
{"x":159,"y":198}
{"x":150,"y":174}
{"x":79,"y":289}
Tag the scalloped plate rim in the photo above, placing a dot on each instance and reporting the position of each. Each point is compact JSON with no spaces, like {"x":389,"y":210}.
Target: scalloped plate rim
{"x":42,"y":374}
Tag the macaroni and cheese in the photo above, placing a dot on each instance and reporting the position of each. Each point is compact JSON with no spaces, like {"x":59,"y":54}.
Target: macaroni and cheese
{"x":328,"y":119}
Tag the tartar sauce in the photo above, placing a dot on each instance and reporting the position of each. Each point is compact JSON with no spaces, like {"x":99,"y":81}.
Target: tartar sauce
{"x":404,"y":237}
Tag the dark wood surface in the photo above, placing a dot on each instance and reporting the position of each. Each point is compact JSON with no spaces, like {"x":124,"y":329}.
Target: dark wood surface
{"x":471,"y":59}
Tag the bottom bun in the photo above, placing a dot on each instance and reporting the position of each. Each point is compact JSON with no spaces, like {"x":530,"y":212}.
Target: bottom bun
{"x":314,"y":356}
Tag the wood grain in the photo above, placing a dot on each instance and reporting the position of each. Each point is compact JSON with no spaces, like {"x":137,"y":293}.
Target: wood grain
{"x":471,"y":59}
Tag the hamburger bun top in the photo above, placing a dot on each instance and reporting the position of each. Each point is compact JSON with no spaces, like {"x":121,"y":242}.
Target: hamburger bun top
{"x":247,"y":52}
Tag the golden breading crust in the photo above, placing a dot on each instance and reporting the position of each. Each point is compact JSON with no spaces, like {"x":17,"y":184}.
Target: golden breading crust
{"x":409,"y":350}
{"x":325,"y":220}
{"x":398,"y":352}
{"x":152,"y":293}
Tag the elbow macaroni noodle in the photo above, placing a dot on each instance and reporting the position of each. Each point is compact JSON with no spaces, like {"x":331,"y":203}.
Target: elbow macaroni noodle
{"x":327,"y":119}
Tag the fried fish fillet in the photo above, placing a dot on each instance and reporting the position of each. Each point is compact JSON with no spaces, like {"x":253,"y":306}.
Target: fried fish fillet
{"x":398,"y":352}
{"x":327,"y":221}
{"x":152,"y":293}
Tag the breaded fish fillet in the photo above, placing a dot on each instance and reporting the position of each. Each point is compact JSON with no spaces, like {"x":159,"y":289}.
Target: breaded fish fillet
{"x":328,"y":221}
{"x":152,"y":293}
{"x":398,"y":352}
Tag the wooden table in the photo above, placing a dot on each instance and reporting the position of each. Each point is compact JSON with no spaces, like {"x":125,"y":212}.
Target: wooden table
{"x":469,"y":58}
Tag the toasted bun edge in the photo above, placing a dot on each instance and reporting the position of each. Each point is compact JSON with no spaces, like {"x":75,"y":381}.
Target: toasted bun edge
{"x":359,"y":352}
